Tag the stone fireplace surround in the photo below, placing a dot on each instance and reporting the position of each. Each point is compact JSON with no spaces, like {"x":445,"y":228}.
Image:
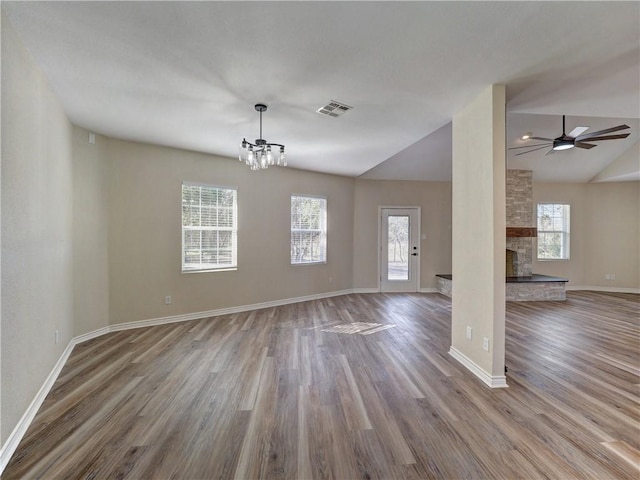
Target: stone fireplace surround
{"x":519,"y":205}
{"x":521,"y":283}
{"x":534,"y":288}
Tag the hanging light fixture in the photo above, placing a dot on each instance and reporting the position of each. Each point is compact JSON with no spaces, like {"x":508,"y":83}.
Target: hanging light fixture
{"x":259,"y":155}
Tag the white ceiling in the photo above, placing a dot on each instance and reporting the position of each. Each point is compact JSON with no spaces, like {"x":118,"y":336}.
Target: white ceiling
{"x":187,"y":74}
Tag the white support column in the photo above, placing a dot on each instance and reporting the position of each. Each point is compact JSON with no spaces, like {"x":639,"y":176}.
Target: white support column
{"x":478,"y":224}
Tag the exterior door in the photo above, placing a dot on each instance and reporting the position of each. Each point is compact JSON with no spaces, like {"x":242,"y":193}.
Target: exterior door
{"x":399,"y":249}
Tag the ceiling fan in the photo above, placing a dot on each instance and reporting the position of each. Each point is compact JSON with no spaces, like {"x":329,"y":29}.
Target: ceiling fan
{"x":575,"y":138}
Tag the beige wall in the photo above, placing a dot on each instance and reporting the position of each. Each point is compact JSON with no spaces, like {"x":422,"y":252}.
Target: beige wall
{"x":54,"y":231}
{"x":90,"y":232}
{"x":478,"y":230}
{"x":145,"y":234}
{"x":37,"y":184}
{"x":605,"y":233}
{"x":434,"y":198}
{"x":605,"y":236}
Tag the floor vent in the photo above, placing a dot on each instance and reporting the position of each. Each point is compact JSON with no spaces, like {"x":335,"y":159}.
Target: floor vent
{"x":334,"y":109}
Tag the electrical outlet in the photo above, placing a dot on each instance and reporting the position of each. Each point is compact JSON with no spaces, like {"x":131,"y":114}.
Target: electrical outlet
{"x":167,"y":300}
{"x":607,"y":276}
{"x":613,"y":276}
{"x":469,"y":332}
{"x":485,"y":344}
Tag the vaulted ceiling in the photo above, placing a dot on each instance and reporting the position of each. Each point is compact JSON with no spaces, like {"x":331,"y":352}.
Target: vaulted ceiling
{"x":187,"y":75}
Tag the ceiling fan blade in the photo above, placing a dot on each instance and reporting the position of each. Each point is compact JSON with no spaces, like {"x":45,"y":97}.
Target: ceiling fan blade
{"x":541,"y":138}
{"x":577,"y":131}
{"x":607,"y":137}
{"x":550,"y":152}
{"x":529,"y":151}
{"x":529,"y":146}
{"x":584,"y":145}
{"x":586,"y":136}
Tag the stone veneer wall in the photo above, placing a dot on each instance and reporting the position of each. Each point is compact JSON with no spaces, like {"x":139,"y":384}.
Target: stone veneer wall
{"x":519,"y":192}
{"x":520,"y":292}
{"x":535,"y":292}
{"x":445,"y":286}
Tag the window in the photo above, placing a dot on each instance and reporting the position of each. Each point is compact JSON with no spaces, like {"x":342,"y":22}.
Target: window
{"x":553,"y":231}
{"x":308,"y":230}
{"x":209,"y":228}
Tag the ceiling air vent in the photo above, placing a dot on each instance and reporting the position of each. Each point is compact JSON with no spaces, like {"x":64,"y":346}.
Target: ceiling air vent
{"x":334,"y":109}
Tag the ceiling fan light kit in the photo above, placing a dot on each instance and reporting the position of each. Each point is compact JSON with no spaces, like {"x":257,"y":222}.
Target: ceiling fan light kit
{"x":575,"y":138}
{"x":562,"y":145}
{"x":260,"y":155}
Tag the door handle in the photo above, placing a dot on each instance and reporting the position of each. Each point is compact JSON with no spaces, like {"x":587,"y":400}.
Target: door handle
{"x":414,"y":254}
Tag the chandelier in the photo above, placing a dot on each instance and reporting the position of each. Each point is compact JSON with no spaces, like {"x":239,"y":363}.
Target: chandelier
{"x":259,"y":155}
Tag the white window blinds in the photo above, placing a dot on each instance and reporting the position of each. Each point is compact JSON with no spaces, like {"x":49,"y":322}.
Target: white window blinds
{"x":308,"y":229}
{"x":209,"y":228}
{"x":553,"y":231}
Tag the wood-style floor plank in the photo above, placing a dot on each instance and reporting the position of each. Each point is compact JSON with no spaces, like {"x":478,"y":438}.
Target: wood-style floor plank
{"x":352,"y":387}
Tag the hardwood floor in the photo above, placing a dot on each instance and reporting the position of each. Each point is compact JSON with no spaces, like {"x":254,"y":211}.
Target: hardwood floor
{"x":359,"y":386}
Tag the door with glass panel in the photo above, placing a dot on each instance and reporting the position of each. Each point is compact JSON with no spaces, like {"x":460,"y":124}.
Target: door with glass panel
{"x":399,"y":249}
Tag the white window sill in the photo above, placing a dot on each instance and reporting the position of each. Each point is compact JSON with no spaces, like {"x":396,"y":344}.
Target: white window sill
{"x":231,"y":269}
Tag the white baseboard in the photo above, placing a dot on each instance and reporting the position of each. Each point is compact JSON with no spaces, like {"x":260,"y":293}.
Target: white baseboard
{"x":603,"y":289}
{"x":20,"y":429}
{"x":90,"y":335}
{"x":494,"y":381}
{"x":9,"y":447}
{"x":223,"y":311}
{"x":365,"y":290}
{"x":377,"y":290}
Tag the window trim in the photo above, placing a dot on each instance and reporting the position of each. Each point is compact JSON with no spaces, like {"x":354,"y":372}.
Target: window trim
{"x":566,"y":233}
{"x":323,"y":232}
{"x":226,"y":268}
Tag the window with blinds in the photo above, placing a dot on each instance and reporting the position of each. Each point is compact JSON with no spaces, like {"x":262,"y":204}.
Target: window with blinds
{"x":553,"y":231}
{"x":209,"y":228}
{"x":308,"y":229}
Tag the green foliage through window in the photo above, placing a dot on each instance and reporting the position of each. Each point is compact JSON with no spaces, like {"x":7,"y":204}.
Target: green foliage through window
{"x":553,"y":231}
{"x":398,"y":247}
{"x":308,"y":229}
